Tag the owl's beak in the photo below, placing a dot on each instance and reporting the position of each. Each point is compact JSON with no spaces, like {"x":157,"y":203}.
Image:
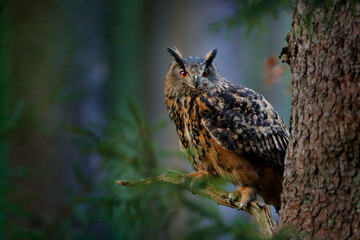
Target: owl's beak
{"x":196,"y":81}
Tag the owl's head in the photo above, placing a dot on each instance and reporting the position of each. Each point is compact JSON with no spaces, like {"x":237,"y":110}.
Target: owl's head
{"x":190,"y":75}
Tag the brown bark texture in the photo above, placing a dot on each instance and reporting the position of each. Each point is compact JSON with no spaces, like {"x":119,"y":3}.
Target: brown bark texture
{"x":321,"y":192}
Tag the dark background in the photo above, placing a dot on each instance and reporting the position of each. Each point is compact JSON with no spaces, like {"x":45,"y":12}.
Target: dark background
{"x":81,"y":104}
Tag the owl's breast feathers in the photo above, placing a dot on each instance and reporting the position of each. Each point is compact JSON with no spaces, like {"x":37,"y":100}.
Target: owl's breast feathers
{"x":232,"y":130}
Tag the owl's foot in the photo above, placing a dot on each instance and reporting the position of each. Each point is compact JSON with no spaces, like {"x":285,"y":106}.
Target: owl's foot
{"x":247,"y":194}
{"x":196,"y":179}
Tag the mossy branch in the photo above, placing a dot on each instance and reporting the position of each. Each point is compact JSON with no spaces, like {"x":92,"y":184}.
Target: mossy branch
{"x":261,"y":213}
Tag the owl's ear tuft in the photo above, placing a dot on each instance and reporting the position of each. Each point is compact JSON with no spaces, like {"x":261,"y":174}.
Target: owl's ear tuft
{"x":177,"y":56}
{"x":210,"y":57}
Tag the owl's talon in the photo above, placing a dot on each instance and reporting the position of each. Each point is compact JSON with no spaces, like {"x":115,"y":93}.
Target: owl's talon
{"x":247,"y":194}
{"x":183,"y":180}
{"x":260,"y":204}
{"x":192,"y":187}
{"x":240,"y":206}
{"x":195,"y":179}
{"x":233,"y":197}
{"x":188,"y":182}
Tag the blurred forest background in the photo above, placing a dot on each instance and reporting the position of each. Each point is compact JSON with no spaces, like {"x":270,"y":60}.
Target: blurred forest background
{"x":81,"y":104}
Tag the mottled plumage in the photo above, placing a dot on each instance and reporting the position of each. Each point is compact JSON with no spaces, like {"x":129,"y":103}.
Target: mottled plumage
{"x":226,"y":129}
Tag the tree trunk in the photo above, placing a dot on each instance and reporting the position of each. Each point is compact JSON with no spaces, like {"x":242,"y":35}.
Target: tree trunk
{"x":321,"y":193}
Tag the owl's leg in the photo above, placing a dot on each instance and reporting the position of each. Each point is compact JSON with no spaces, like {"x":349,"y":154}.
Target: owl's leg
{"x":195,"y":178}
{"x":246,"y":193}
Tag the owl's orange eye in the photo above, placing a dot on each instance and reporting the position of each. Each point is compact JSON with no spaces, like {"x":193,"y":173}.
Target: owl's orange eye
{"x":184,"y":73}
{"x":205,"y":73}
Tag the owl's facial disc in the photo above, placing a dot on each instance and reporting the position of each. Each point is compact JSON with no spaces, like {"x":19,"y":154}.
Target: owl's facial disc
{"x":196,"y":75}
{"x":197,"y":80}
{"x":191,"y":79}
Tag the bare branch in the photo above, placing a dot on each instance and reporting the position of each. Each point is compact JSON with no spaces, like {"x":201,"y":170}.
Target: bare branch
{"x":261,"y":213}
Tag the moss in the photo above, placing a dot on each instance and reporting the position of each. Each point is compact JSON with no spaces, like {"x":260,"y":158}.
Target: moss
{"x":312,"y":6}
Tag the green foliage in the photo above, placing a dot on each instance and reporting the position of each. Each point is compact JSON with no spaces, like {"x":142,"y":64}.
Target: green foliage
{"x":252,"y":14}
{"x":4,"y":98}
{"x":97,"y":208}
{"x":128,"y":151}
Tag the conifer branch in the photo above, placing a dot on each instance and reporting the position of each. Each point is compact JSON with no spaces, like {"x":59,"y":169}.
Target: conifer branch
{"x":261,"y":213}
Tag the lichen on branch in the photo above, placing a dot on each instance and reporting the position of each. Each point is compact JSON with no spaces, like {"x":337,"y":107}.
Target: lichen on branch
{"x":261,"y":213}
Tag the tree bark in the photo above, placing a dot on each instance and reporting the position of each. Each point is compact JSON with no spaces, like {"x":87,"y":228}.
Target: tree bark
{"x":321,"y":192}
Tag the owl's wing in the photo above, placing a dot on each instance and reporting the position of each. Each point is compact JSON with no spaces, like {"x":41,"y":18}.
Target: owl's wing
{"x":241,"y":120}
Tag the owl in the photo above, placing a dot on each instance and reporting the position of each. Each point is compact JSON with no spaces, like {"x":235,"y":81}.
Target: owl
{"x":226,"y":129}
